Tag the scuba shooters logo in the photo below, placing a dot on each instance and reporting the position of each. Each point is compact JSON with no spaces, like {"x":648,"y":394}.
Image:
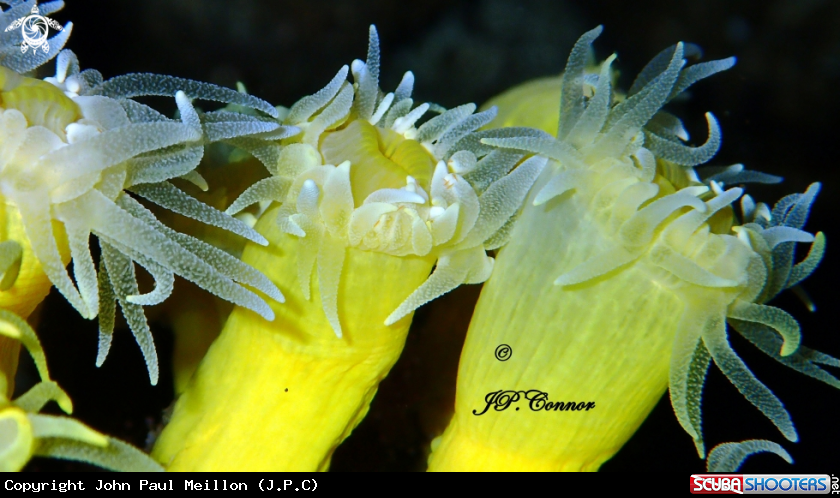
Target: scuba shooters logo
{"x":35,"y":30}
{"x":709,"y":484}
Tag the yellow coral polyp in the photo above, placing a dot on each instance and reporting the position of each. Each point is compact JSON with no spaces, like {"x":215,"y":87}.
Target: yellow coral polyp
{"x":304,"y":388}
{"x":620,"y":276}
{"x":370,"y":204}
{"x":70,"y":152}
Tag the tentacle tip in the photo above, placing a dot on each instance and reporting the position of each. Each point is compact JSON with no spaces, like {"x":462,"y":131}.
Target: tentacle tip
{"x":562,"y":280}
{"x":154,"y":375}
{"x":788,"y":350}
{"x":700,"y":446}
{"x":394,"y":317}
{"x":711,"y":119}
{"x":265,"y":312}
{"x":101,"y":356}
{"x":66,"y":405}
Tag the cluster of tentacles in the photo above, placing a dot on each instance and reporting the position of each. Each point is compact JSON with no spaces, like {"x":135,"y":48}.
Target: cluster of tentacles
{"x":628,"y":158}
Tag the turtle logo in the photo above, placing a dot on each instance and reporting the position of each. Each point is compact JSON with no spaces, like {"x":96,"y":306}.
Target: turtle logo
{"x":34,"y":28}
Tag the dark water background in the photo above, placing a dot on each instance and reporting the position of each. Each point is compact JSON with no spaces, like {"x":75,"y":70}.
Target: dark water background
{"x":778,"y":109}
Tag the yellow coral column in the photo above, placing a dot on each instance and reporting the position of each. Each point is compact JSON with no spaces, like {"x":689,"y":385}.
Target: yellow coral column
{"x":607,"y":341}
{"x":282,"y":395}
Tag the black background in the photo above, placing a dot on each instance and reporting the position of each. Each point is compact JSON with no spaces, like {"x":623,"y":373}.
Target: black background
{"x":778,"y":109}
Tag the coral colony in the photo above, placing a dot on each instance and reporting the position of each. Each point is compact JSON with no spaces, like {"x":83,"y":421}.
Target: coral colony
{"x":614,"y":254}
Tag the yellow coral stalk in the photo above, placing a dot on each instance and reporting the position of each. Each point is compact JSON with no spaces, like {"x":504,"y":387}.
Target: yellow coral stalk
{"x":283,"y":395}
{"x":371,"y":203}
{"x":622,"y":272}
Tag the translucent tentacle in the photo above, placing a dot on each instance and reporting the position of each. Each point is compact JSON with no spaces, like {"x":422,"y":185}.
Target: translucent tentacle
{"x":559,"y":151}
{"x":502,"y":199}
{"x":170,"y":197}
{"x":697,"y":72}
{"x":37,"y":220}
{"x":638,"y":230}
{"x":452,"y":270}
{"x":597,"y":265}
{"x":331,"y":256}
{"x":304,"y":108}
{"x":434,"y":128}
{"x":728,"y":457}
{"x":405,"y":87}
{"x":491,"y":167}
{"x":146,"y":84}
{"x":117,"y":455}
{"x":107,"y":313}
{"x":686,"y":269}
{"x":682,"y":154}
{"x":777,"y":319}
{"x":803,"y":360}
{"x":689,"y":364}
{"x":164,"y":284}
{"x":124,"y":282}
{"x":562,"y":182}
{"x":33,"y":400}
{"x":16,"y":328}
{"x":84,"y":271}
{"x":802,"y":270}
{"x":221,"y":264}
{"x":160,"y":167}
{"x":273,"y":188}
{"x":334,"y":112}
{"x":571,"y":98}
{"x":756,"y":393}
{"x":368,"y":91}
{"x":598,"y":108}
{"x":49,"y":426}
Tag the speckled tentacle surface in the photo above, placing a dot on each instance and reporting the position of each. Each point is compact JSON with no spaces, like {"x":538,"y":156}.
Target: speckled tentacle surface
{"x":378,"y":215}
{"x":621,"y":274}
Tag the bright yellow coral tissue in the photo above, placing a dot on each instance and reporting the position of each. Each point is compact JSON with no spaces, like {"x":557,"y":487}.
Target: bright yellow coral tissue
{"x":620,"y":276}
{"x":283,"y":395}
{"x":71,"y":146}
{"x":370,"y":204}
